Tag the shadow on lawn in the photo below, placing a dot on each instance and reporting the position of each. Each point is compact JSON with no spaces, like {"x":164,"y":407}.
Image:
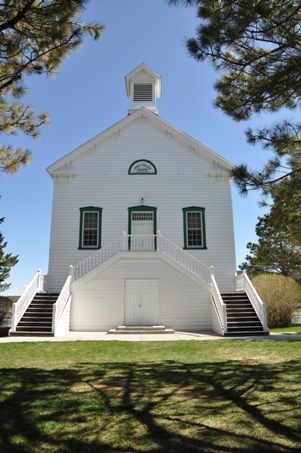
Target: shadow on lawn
{"x":153,"y":407}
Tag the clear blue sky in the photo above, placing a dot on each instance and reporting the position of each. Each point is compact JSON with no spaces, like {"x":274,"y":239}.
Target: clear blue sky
{"x":88,"y":96}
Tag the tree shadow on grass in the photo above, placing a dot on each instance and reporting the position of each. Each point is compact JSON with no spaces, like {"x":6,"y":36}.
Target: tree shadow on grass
{"x":154,"y":407}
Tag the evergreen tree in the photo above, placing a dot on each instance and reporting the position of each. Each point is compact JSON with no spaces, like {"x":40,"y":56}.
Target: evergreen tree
{"x":35,"y":36}
{"x":7,"y":261}
{"x":274,"y":252}
{"x":256,"y":46}
{"x":278,"y":249}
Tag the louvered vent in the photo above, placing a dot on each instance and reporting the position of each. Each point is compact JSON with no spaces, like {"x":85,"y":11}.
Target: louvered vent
{"x":143,"y":92}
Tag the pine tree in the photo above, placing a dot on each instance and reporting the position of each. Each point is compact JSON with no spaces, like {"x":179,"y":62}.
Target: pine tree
{"x":275,"y":250}
{"x":256,"y":46}
{"x":35,"y":36}
{"x":7,"y":261}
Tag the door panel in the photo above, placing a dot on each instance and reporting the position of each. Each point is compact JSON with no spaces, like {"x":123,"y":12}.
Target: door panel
{"x":141,"y":302}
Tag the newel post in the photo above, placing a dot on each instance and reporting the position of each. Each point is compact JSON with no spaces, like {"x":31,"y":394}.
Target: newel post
{"x":71,"y":273}
{"x":39,"y":279}
{"x":124,"y":241}
{"x":244,"y":272}
{"x":53,"y":317}
{"x":158,"y":241}
{"x":14,"y":317}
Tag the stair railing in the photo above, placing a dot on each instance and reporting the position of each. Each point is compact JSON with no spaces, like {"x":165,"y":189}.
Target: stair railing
{"x":218,"y":303}
{"x":37,"y":284}
{"x":60,"y":304}
{"x":143,"y":243}
{"x":99,"y":257}
{"x":243,"y":283}
{"x":183,"y":258}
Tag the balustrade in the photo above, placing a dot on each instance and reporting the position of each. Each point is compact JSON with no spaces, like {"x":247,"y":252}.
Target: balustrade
{"x":143,"y":243}
{"x":38,"y":283}
{"x":243,"y":283}
{"x":61,"y":302}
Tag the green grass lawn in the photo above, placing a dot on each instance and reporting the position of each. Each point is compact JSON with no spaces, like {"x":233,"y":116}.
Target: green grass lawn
{"x":187,"y":396}
{"x":293,"y":328}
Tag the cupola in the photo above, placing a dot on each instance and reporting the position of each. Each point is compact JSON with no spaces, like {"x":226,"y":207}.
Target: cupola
{"x":143,"y":87}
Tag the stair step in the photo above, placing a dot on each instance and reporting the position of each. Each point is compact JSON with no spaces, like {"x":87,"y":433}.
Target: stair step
{"x":242,"y":318}
{"x":247,"y":334}
{"x":32,"y":329}
{"x":41,"y":322}
{"x":38,"y":313}
{"x":233,"y":325}
{"x":31,"y":334}
{"x":236,"y":302}
{"x":245,"y":329}
{"x":126,"y":330}
{"x":37,"y":317}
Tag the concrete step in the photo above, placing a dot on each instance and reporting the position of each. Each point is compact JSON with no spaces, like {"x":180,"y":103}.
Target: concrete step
{"x":126,"y":330}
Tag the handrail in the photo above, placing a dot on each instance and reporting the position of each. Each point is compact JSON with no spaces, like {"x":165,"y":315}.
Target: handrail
{"x":143,"y":243}
{"x":186,"y":260}
{"x":219,"y":304}
{"x":99,"y":257}
{"x":61,"y":303}
{"x":243,"y":283}
{"x":38,"y":283}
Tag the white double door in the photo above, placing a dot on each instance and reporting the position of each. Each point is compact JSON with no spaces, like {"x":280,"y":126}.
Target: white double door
{"x":141,"y":302}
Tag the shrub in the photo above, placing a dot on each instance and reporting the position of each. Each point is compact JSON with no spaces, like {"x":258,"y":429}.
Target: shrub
{"x":282,"y":296}
{"x":5,"y":308}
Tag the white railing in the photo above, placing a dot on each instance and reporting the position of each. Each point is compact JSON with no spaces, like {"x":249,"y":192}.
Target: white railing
{"x":38,"y":283}
{"x":61,"y":302}
{"x":243,"y":283}
{"x":219,"y":305}
{"x":183,"y":258}
{"x":99,"y":257}
{"x":142,"y":242}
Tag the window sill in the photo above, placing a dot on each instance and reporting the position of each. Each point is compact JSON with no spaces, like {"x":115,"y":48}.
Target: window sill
{"x":88,"y":248}
{"x":194,"y":248}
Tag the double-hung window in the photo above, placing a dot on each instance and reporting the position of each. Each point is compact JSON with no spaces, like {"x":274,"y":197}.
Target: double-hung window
{"x":90,"y":228}
{"x":194,"y":228}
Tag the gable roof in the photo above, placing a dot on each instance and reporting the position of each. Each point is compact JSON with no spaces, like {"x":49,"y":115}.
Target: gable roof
{"x":192,"y":144}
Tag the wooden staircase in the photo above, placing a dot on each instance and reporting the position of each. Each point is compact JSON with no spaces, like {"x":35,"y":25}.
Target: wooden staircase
{"x":242,"y":319}
{"x":37,"y":320}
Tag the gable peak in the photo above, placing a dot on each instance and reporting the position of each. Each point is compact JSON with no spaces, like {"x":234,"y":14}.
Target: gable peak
{"x":143,"y":87}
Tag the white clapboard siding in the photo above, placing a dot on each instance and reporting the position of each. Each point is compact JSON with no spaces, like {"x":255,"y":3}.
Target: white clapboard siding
{"x":98,"y":304}
{"x":101,"y":179}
